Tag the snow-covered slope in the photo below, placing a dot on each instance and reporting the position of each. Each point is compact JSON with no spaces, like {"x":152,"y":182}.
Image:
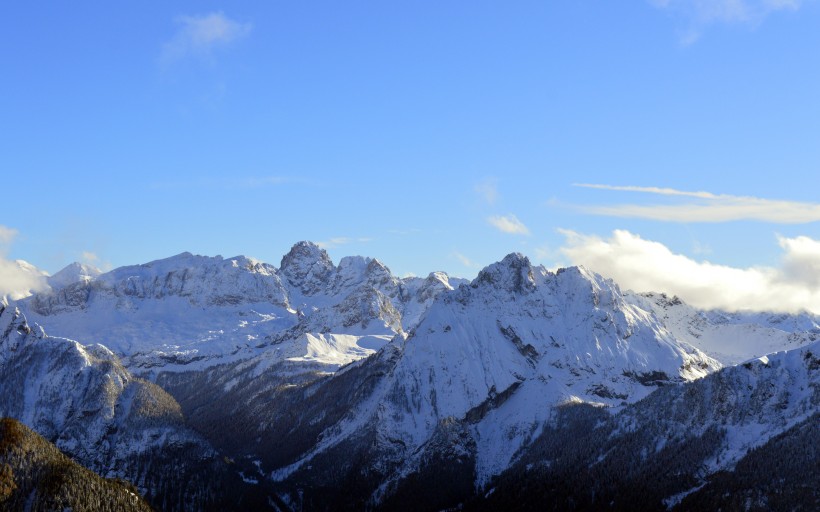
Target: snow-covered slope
{"x":682,"y":446}
{"x":734,"y":337}
{"x":81,"y":396}
{"x":82,"y":399}
{"x":750,"y":402}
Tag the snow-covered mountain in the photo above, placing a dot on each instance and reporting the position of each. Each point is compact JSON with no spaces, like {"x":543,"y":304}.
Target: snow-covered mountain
{"x":490,"y":360}
{"x":346,"y":387}
{"x":189,"y":311}
{"x":731,"y":337}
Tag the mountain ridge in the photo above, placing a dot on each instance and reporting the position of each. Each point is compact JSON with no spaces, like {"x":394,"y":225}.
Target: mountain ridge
{"x":342,"y":378}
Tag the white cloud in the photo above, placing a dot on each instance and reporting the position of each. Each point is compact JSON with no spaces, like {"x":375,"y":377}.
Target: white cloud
{"x":199,"y":35}
{"x":701,"y":13}
{"x":17,"y":278}
{"x":649,"y":190}
{"x":508,"y":224}
{"x":709,"y":207}
{"x":644,"y":265}
{"x":487,"y":190}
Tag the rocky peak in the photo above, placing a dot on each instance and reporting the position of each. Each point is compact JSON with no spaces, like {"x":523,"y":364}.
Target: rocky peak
{"x":433,"y":284}
{"x":307,"y":267}
{"x":514,"y":273}
{"x":378,"y":273}
{"x":15,"y":332}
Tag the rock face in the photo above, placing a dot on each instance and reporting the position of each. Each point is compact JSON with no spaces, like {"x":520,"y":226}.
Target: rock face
{"x":307,"y":268}
{"x":219,"y":382}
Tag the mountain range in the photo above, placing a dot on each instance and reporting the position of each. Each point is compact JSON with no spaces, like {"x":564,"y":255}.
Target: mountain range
{"x":228,"y":383}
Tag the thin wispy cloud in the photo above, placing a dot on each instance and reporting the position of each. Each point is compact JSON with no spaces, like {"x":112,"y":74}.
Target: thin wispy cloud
{"x":404,"y":232}
{"x":700,"y":14}
{"x":508,"y":224}
{"x":709,"y":208}
{"x":239,"y":183}
{"x":649,"y":190}
{"x":199,"y":36}
{"x":464,"y":260}
{"x":645,"y":265}
{"x":487,"y":190}
{"x":91,"y":258}
{"x":342,"y":240}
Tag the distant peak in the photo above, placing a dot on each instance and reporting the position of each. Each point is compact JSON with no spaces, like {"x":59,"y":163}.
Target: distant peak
{"x":73,"y":273}
{"x":78,"y":268}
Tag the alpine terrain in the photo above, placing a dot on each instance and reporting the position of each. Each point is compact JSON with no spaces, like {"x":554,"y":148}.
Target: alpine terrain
{"x":215,"y":383}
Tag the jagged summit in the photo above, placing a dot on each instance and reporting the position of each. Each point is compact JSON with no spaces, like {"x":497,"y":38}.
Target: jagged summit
{"x":307,"y":267}
{"x":15,"y":332}
{"x":514,"y":273}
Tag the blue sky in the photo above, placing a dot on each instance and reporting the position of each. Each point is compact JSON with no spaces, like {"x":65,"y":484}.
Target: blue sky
{"x":431,"y":135}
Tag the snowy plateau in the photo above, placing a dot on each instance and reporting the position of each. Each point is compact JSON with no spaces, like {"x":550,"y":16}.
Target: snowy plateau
{"x":217,"y":383}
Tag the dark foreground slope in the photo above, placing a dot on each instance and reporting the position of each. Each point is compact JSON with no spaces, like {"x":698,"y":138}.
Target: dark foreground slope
{"x":35,"y":475}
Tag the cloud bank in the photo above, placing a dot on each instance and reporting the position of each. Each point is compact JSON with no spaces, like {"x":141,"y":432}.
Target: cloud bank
{"x":17,"y":278}
{"x":644,"y":265}
{"x":708,"y":207}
